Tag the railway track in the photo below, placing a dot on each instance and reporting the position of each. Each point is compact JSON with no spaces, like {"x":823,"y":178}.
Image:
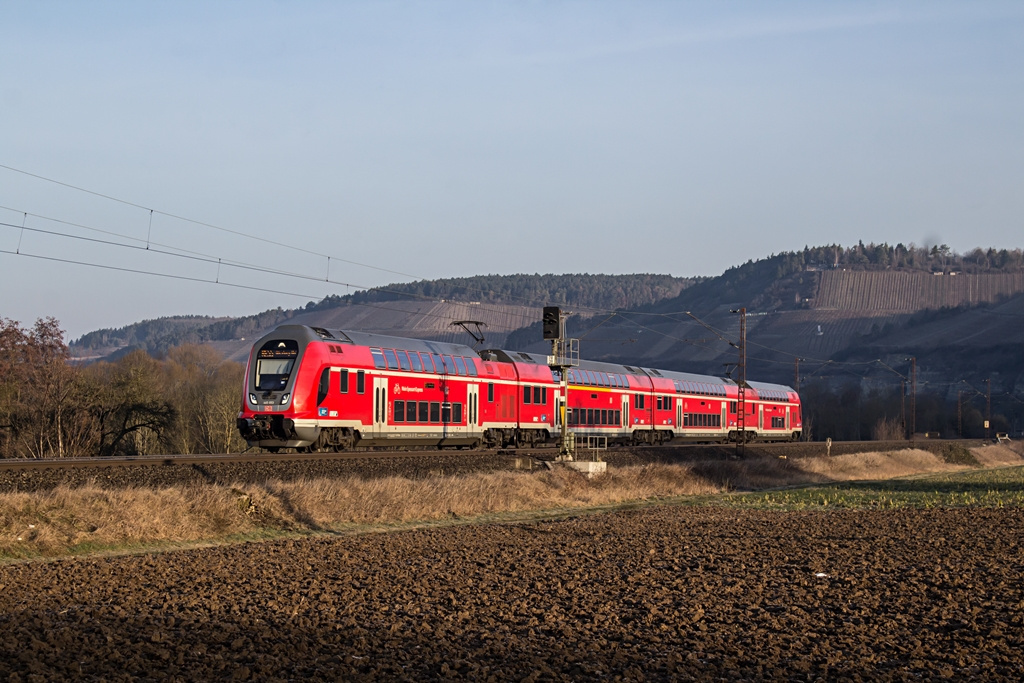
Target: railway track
{"x":684,"y":450}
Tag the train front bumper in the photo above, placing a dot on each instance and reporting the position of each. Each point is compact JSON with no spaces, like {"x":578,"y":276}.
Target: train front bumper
{"x":277,"y":431}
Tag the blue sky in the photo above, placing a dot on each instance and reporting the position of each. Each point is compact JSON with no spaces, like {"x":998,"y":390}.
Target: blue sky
{"x":444,"y":139}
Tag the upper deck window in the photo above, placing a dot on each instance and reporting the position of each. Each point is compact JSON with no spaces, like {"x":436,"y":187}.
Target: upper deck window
{"x":392,"y":359}
{"x":428,"y":364}
{"x":378,"y":359}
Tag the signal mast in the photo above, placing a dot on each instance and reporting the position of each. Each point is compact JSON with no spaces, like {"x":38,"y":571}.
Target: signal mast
{"x":565,"y":354}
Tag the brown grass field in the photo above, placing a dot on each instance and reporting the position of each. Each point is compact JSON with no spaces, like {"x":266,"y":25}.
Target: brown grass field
{"x":93,"y":519}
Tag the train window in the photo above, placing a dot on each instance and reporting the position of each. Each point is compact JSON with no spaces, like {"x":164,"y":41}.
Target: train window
{"x":378,"y":359}
{"x":439,"y":366}
{"x":274,"y":364}
{"x":392,"y":359}
{"x":410,"y":411}
{"x":428,"y":365}
{"x":527,"y":394}
{"x":343,"y":382}
{"x":536,"y":395}
{"x":403,"y":360}
{"x":490,"y":392}
{"x":360,"y":382}
{"x":435,"y":411}
{"x":446,"y":413}
{"x":324,"y":387}
{"x":618,"y":418}
{"x":604,"y":417}
{"x":460,"y":365}
{"x":544,"y":395}
{"x":424,"y":411}
{"x":471,"y":367}
{"x":399,"y":411}
{"x":457,"y":413}
{"x":417,"y":366}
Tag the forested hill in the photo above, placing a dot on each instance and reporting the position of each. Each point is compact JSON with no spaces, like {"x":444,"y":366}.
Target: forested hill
{"x":583,"y":291}
{"x":603,"y":292}
{"x":780,"y":281}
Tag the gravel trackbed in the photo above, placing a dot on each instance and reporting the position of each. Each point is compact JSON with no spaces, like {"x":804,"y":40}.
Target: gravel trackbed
{"x":660,"y":593}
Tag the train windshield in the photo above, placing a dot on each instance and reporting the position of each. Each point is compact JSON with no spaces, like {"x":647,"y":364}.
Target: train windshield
{"x":274,"y":364}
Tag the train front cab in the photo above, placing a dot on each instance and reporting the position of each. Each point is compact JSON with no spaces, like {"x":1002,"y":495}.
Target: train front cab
{"x":275,"y":388}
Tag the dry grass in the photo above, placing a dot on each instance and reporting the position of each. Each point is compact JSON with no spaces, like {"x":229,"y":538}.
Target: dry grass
{"x":999,"y":455}
{"x":90,"y":518}
{"x":860,"y":466}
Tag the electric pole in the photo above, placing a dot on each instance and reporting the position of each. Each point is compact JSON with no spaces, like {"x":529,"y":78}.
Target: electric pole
{"x":741,"y":403}
{"x":913,"y":397}
{"x":988,"y":408}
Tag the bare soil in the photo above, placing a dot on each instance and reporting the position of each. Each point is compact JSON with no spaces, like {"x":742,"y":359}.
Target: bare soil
{"x":661,"y":593}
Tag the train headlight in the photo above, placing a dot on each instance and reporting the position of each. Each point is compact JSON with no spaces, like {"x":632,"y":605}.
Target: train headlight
{"x":284,"y":399}
{"x":252,"y":399}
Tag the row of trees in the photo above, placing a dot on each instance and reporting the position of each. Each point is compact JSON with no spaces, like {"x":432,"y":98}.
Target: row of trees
{"x":853,"y":414}
{"x":577,"y":289}
{"x":909,"y":257}
{"x":183,"y":403}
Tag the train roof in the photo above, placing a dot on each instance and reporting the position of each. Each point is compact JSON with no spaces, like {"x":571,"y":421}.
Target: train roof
{"x":307,"y":333}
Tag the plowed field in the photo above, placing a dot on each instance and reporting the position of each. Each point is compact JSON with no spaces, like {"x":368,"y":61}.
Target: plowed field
{"x":662,"y":593}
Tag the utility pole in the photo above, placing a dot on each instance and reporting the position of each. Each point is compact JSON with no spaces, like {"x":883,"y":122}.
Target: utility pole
{"x":796,"y":374}
{"x":913,"y":397}
{"x":741,"y":403}
{"x":959,"y":414}
{"x":903,"y":405}
{"x":988,"y":408}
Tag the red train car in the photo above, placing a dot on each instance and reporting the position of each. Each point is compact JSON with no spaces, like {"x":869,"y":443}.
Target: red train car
{"x":312,"y":388}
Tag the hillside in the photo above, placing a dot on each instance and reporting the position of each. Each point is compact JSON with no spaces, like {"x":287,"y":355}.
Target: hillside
{"x":503,"y":303}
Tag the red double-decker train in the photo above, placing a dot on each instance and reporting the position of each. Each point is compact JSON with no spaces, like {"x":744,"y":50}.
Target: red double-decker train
{"x":310,"y":388}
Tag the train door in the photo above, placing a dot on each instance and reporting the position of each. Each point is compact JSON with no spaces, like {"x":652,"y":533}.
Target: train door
{"x":472,"y":408}
{"x":625,"y":412}
{"x":787,"y":419}
{"x":760,"y":417}
{"x":679,"y":415}
{"x":380,"y":405}
{"x":725,"y":417}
